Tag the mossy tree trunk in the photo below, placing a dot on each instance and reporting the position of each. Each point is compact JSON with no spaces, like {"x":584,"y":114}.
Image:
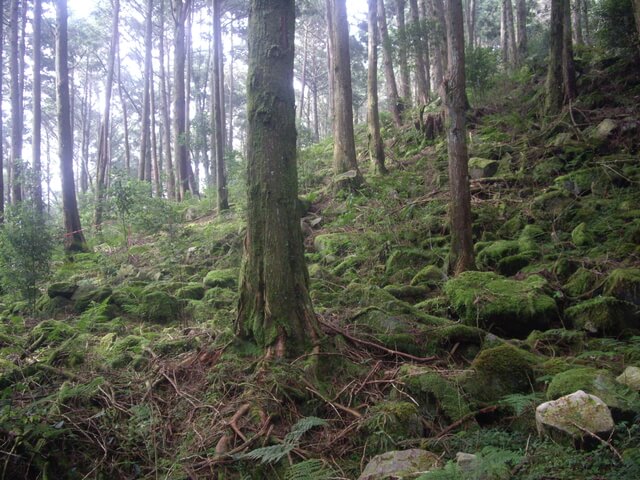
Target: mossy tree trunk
{"x":345,"y":166}
{"x":275,"y":309}
{"x":521,"y":30}
{"x":376,"y":147}
{"x":437,"y":42}
{"x":405,"y":78}
{"x":217,"y":99}
{"x":455,"y":100}
{"x":561,"y":76}
{"x":568,"y":66}
{"x":74,"y":238}
{"x":395,"y":104}
{"x":418,"y":45}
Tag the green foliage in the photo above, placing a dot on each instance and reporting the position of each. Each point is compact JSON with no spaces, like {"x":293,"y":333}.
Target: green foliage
{"x":312,"y":469}
{"x":615,"y":26}
{"x":26,"y":249}
{"x":481,"y":67}
{"x":491,"y":463}
{"x":275,"y":453}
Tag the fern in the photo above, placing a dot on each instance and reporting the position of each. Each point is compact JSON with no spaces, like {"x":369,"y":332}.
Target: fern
{"x":519,"y":402}
{"x":313,"y":469}
{"x":275,"y":453}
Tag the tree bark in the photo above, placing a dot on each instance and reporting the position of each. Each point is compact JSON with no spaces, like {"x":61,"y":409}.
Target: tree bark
{"x":455,"y":100}
{"x":166,"y":120}
{"x":145,"y":125}
{"x":74,"y":238}
{"x":576,"y":22}
{"x":16,"y":103}
{"x":472,"y":15}
{"x":521,"y":32}
{"x":419,"y":46}
{"x":636,"y":14}
{"x":222,"y":193}
{"x":393,"y":99}
{"x":36,"y":143}
{"x":568,"y":66}
{"x":104,"y":144}
{"x":345,"y":166}
{"x":555,"y":82}
{"x":405,"y":77}
{"x":1,"y":123}
{"x":438,"y":42}
{"x":275,"y":309}
{"x":376,"y":147}
{"x":125,"y":118}
{"x":507,"y":34}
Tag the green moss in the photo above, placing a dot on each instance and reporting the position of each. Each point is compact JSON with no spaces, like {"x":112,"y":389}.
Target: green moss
{"x":157,"y":307}
{"x":174,"y":346}
{"x":333,"y":244}
{"x":51,"y":332}
{"x":86,"y":297}
{"x":191,"y":291}
{"x":581,"y":236}
{"x":389,"y":422}
{"x":507,"y":307}
{"x":482,"y":167}
{"x":408,"y":293}
{"x":438,"y":306}
{"x":221,"y":278}
{"x":546,"y":169}
{"x":434,"y":393}
{"x":557,"y":341}
{"x":604,"y":315}
{"x":218,"y":297}
{"x":624,"y":283}
{"x":581,"y":282}
{"x":61,"y":289}
{"x":413,"y":258}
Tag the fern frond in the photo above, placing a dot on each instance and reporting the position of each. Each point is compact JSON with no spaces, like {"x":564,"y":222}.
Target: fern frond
{"x":313,"y":469}
{"x":270,"y":454}
{"x":301,"y":427}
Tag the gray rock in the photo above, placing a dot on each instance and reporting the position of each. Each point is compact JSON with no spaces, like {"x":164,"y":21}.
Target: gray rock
{"x":467,"y":462}
{"x":630,"y":377}
{"x":575,"y":415}
{"x":399,"y":465}
{"x":604,"y":129}
{"x":482,"y":168}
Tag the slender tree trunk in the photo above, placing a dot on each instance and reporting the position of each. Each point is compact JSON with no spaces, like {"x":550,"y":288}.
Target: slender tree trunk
{"x":303,"y":79}
{"x":16,"y":103}
{"x":555,"y":82}
{"x":418,"y":44}
{"x":576,"y":22}
{"x":275,"y":309}
{"x":376,"y":147}
{"x":405,"y":78}
{"x":74,"y":238}
{"x":636,"y":14}
{"x":85,"y":109}
{"x":218,"y":115}
{"x":461,"y":253}
{"x":1,"y":123}
{"x":345,"y":166}
{"x":438,"y":42}
{"x":157,"y":180}
{"x":37,"y":106}
{"x":568,"y":66}
{"x":521,"y":33}
{"x":145,"y":150}
{"x":395,"y":104}
{"x":125,"y":118}
{"x":472,"y":15}
{"x":181,"y":10}
{"x":231,"y":87}
{"x":166,"y":120}
{"x":104,"y":144}
{"x":193,"y":183}
{"x":507,"y":34}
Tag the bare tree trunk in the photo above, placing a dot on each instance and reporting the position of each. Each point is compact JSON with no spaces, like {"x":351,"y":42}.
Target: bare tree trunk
{"x":455,"y":100}
{"x":166,"y":120}
{"x":157,"y":180}
{"x":405,"y":78}
{"x":145,"y":150}
{"x":16,"y":103}
{"x":74,"y":238}
{"x":125,"y":118}
{"x":218,"y":115}
{"x":85,"y":111}
{"x":471,"y":16}
{"x":275,"y":309}
{"x":104,"y":144}
{"x":1,"y":123}
{"x":507,"y":34}
{"x":636,"y":14}
{"x":555,"y":82}
{"x":521,"y":33}
{"x":231,"y":87}
{"x":568,"y":66}
{"x":345,"y":166}
{"x":395,"y":103}
{"x":576,"y":22}
{"x":303,"y":79}
{"x":376,"y":147}
{"x":37,"y":106}
{"x":419,"y":44}
{"x":438,"y":42}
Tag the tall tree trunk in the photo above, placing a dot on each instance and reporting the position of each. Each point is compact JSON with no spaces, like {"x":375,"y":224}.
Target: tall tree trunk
{"x":145,"y":126}
{"x":181,"y":10}
{"x":303,"y":79}
{"x":1,"y":123}
{"x":231,"y":87}
{"x":507,"y":34}
{"x":74,"y":238}
{"x":568,"y":66}
{"x":37,"y":106}
{"x":166,"y":120}
{"x":471,"y":16}
{"x":345,"y":166}
{"x":376,"y":147}
{"x":395,"y":104}
{"x":275,"y":309}
{"x":555,"y":82}
{"x":405,"y":78}
{"x":418,"y":43}
{"x":438,"y":42}
{"x":16,"y":103}
{"x":193,"y":183}
{"x":157,"y":180}
{"x":125,"y":118}
{"x":455,"y":101}
{"x":85,"y":109}
{"x":218,"y":114}
{"x":521,"y":33}
{"x":104,"y":144}
{"x":636,"y":14}
{"x":576,"y":22}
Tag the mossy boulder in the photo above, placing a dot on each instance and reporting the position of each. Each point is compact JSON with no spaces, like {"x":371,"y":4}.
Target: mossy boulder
{"x":604,"y":315}
{"x":499,"y":371}
{"x":62,"y":289}
{"x":482,"y":167}
{"x":218,"y":297}
{"x":396,"y":419}
{"x":429,"y":275}
{"x":221,"y":278}
{"x":435,"y":394}
{"x":508,"y":257}
{"x":580,"y":282}
{"x":630,"y":378}
{"x":191,"y":291}
{"x":557,"y":341}
{"x":400,"y":464}
{"x":506,"y":307}
{"x":582,"y":236}
{"x":84,"y":297}
{"x":333,"y":245}
{"x":598,"y":382}
{"x":624,"y":283}
{"x":409,"y":258}
{"x":158,"y":307}
{"x":53,"y":306}
{"x":408,"y":293}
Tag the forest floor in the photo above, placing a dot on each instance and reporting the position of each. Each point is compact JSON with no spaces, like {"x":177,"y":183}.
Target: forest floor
{"x":129,"y":367}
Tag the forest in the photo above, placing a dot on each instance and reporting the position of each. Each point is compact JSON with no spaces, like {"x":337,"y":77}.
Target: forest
{"x":320,"y":239}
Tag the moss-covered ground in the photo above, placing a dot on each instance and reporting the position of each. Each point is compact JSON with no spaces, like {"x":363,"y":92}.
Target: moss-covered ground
{"x":129,"y":367}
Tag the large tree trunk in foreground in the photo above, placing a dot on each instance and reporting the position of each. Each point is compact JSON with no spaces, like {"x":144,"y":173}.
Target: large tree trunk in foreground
{"x":74,"y":238}
{"x":345,"y":166}
{"x":461,"y":253}
{"x":376,"y":147}
{"x":275,"y":309}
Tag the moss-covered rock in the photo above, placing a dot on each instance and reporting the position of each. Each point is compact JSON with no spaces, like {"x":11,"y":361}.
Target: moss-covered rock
{"x":581,"y":236}
{"x":191,"y":291}
{"x":434,"y":393}
{"x":438,"y":306}
{"x":408,"y":293}
{"x":429,"y":275}
{"x":221,"y":278}
{"x":333,"y":245}
{"x":62,"y":289}
{"x":53,"y":306}
{"x":158,"y":307}
{"x":604,"y":315}
{"x":624,"y":283}
{"x":398,"y":420}
{"x":500,"y":305}
{"x":580,"y":282}
{"x":499,"y":371}
{"x":557,"y":341}
{"x":220,"y":297}
{"x":482,"y":167}
{"x":86,"y":296}
{"x":409,"y":258}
